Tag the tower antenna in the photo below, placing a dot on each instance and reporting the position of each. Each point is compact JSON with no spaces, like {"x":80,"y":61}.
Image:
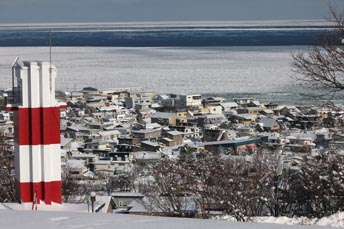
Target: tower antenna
{"x":50,"y":70}
{"x":50,"y":47}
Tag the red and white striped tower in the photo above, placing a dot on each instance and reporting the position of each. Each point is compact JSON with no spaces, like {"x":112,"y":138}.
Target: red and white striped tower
{"x":37,"y":134}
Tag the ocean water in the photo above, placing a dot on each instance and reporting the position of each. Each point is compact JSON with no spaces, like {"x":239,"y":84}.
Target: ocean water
{"x":227,"y":59}
{"x":210,"y":70}
{"x":177,"y":34}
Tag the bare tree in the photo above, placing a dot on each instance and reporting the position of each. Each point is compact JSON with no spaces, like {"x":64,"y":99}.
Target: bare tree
{"x":321,"y":67}
{"x":323,"y":183}
{"x":244,"y":188}
{"x":207,"y":166}
{"x":7,"y":179}
{"x":247,"y":189}
{"x":118,"y":183}
{"x":7,"y":186}
{"x":169,"y":191}
{"x":72,"y":189}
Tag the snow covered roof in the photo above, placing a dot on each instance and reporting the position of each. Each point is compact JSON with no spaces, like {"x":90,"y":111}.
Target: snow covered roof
{"x":153,"y":125}
{"x":246,"y":116}
{"x":217,"y":98}
{"x":75,"y":164}
{"x":147,"y":111}
{"x":137,"y":206}
{"x":109,"y":132}
{"x":174,"y":132}
{"x":145,"y":131}
{"x":164,"y":97}
{"x":65,"y":141}
{"x":229,"y":104}
{"x":163,"y":115}
{"x":267,"y":122}
{"x":268,"y":111}
{"x":77,"y":127}
{"x":102,"y":162}
{"x":154,"y":144}
{"x":255,"y":102}
{"x":127,"y":194}
{"x":210,"y":116}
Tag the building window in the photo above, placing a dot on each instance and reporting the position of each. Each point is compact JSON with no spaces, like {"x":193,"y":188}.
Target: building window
{"x":120,"y":203}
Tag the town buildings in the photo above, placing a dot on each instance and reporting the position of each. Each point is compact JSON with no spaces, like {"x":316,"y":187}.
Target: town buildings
{"x":107,"y":134}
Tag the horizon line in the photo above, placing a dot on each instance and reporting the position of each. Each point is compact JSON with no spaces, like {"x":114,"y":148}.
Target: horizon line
{"x":323,"y":21}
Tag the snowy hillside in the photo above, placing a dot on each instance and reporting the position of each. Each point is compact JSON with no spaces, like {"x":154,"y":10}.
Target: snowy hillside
{"x":41,"y":220}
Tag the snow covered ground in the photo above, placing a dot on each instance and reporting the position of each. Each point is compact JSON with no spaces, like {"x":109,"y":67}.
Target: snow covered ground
{"x":11,"y":219}
{"x":164,"y":69}
{"x":14,"y":215}
{"x":335,"y":220}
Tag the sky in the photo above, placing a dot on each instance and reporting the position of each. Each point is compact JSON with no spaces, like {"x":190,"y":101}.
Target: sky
{"x":42,"y":11}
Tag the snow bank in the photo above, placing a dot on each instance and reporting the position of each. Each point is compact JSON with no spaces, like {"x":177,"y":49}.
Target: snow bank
{"x":335,"y":220}
{"x":45,"y":219}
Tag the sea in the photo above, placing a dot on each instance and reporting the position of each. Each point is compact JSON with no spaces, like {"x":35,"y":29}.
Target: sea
{"x":216,"y":58}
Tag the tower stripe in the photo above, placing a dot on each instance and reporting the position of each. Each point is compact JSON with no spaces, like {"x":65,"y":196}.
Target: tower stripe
{"x":38,"y":126}
{"x":47,"y":191}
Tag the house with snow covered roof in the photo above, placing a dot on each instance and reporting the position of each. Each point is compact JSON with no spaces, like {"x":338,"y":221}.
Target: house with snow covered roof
{"x":308,"y":121}
{"x":189,"y":131}
{"x":214,"y":135}
{"x":66,"y":143}
{"x":269,"y":124}
{"x":78,"y":132}
{"x":243,"y":101}
{"x":213,"y":101}
{"x":150,"y":146}
{"x":237,"y":145}
{"x":164,"y":118}
{"x":7,"y":129}
{"x":123,"y":200}
{"x":250,"y":110}
{"x":245,"y":119}
{"x":215,"y":119}
{"x":213,"y":109}
{"x":268,"y":113}
{"x":109,"y":135}
{"x":274,"y":140}
{"x":5,"y":116}
{"x":147,"y":134}
{"x":139,"y":102}
{"x":300,"y":144}
{"x":288,"y":109}
{"x":76,"y":167}
{"x":102,"y":167}
{"x":243,"y":131}
{"x":128,"y":140}
{"x":175,"y":135}
{"x":145,"y":113}
{"x":229,"y":106}
{"x":254,"y":103}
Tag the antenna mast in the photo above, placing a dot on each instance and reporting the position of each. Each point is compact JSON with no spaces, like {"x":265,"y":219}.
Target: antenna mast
{"x":50,"y":70}
{"x":50,"y":47}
